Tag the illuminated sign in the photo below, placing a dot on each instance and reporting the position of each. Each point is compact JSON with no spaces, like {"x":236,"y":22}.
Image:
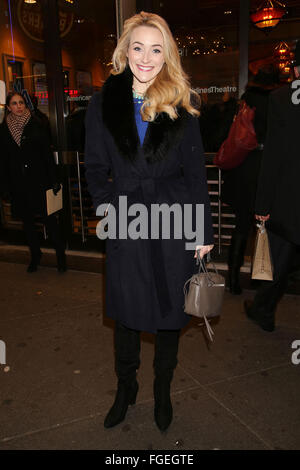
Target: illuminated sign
{"x":68,"y":91}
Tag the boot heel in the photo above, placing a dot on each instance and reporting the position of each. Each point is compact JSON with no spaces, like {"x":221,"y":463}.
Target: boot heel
{"x":133,"y":394}
{"x":163,"y":410}
{"x":123,"y":399}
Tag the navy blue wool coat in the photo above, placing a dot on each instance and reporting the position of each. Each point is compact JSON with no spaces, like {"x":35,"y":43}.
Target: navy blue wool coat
{"x":144,"y":277}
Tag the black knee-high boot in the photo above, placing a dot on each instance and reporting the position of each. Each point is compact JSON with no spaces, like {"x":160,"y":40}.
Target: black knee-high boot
{"x":165,"y":361}
{"x":235,"y":261}
{"x":127,"y":361}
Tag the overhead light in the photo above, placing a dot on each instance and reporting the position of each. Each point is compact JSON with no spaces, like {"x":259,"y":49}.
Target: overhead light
{"x":268,"y":15}
{"x":70,"y":1}
{"x":30,"y":1}
{"x":282,"y":50}
{"x":283,"y":57}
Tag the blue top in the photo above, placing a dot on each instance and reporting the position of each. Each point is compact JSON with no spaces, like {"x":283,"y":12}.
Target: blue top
{"x":140,"y":124}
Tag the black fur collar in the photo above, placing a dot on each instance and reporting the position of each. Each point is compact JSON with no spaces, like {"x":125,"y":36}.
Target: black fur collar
{"x":118,"y":116}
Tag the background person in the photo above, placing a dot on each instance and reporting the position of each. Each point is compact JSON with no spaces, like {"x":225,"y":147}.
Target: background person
{"x":42,"y":117}
{"x":75,"y":126}
{"x":240,"y":183}
{"x":143,"y":128}
{"x":215,"y":121}
{"x":27,"y":171}
{"x":277,"y":200}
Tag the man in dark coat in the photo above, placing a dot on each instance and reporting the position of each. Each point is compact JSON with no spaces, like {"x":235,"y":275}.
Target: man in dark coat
{"x":277,"y":200}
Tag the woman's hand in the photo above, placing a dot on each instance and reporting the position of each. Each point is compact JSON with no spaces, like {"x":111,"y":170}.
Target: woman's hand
{"x":204,"y":249}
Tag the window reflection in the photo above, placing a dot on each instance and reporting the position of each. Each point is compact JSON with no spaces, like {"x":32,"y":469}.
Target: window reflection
{"x":276,"y":47}
{"x":86,"y":55}
{"x":207,"y":37}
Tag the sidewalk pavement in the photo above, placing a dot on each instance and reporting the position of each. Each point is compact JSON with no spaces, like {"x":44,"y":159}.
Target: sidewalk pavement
{"x":240,"y":392}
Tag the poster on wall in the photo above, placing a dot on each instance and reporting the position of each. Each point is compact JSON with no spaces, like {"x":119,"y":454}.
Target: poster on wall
{"x":40,"y":86}
{"x":30,"y":18}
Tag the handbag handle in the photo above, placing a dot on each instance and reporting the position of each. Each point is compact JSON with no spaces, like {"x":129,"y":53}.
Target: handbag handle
{"x":184,"y":287}
{"x":202,"y":265}
{"x":203,"y":268}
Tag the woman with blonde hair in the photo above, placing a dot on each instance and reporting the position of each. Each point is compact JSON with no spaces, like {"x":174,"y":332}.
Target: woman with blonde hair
{"x":143,"y":128}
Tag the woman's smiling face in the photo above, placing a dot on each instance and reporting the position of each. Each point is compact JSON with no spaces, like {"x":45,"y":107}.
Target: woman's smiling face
{"x":145,"y":56}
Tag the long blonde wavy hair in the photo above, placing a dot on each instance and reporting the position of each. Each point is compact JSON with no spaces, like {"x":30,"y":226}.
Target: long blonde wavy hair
{"x":171,"y":87}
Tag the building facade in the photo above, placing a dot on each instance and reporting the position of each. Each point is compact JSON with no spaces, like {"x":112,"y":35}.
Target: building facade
{"x":60,"y":52}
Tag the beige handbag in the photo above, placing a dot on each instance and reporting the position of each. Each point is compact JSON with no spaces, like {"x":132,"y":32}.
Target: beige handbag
{"x":204,"y":297}
{"x":262,"y":268}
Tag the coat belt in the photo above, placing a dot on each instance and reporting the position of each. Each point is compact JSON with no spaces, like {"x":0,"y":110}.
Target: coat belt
{"x":148,"y":187}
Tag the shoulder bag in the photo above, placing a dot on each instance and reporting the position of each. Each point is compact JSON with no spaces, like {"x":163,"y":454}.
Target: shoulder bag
{"x":240,"y":141}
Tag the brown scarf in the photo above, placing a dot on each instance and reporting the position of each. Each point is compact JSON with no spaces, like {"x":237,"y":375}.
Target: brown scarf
{"x":16,"y":125}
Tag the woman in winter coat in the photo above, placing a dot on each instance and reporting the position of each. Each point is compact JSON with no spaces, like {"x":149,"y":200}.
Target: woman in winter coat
{"x":240,"y":183}
{"x":27,"y":171}
{"x":143,"y":129}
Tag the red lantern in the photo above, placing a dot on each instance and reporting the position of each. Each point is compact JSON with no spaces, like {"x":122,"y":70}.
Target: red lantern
{"x":283,"y":57}
{"x":268,"y":15}
{"x":282,"y":51}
